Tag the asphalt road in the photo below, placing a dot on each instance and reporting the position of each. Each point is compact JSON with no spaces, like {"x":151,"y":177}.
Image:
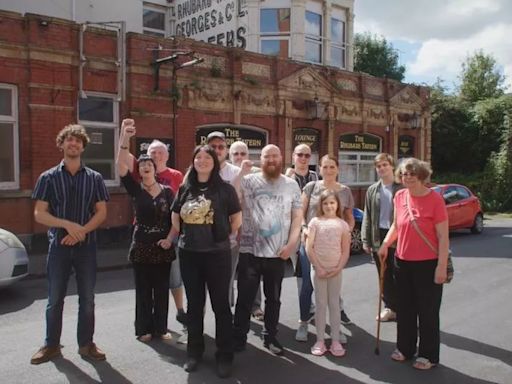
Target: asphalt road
{"x":476,"y":325}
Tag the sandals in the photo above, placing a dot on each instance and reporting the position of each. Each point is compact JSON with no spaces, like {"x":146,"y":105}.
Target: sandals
{"x":337,"y":349}
{"x":423,"y":364}
{"x":398,"y":356}
{"x":258,"y":314}
{"x":319,"y":349}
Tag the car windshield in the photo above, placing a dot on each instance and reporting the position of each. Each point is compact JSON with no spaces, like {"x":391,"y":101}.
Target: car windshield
{"x":437,"y":189}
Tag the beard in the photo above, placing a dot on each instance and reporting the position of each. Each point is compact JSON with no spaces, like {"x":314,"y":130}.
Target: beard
{"x":271,"y":171}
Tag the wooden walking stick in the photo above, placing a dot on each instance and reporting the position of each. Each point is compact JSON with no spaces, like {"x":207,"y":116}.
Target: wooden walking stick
{"x":382,"y":270}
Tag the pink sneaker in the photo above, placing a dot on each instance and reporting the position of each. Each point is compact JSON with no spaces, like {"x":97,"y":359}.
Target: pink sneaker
{"x":337,"y":349}
{"x":319,"y":348}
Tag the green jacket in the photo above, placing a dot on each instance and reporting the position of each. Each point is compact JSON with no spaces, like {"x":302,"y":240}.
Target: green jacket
{"x":370,"y":234}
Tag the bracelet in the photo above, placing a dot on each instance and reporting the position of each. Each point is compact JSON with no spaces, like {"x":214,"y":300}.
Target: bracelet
{"x":123,"y":147}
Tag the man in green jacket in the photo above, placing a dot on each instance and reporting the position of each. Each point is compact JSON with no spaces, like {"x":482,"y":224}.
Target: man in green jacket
{"x":377,"y":219}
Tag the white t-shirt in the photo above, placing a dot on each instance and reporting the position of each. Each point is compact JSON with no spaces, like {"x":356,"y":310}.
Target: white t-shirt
{"x":228,"y":172}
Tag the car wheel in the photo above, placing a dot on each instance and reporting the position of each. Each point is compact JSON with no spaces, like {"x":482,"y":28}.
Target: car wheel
{"x":478,"y":224}
{"x":356,"y":244}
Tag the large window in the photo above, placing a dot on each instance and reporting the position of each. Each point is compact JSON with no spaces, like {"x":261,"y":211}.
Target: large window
{"x":9,"y":160}
{"x":99,"y":115}
{"x":338,"y":43}
{"x":275,"y":32}
{"x":313,"y":37}
{"x":357,"y":168}
{"x":154,"y":20}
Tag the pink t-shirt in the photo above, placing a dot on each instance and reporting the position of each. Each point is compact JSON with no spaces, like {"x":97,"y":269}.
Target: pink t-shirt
{"x":428,"y":210}
{"x":327,"y":245}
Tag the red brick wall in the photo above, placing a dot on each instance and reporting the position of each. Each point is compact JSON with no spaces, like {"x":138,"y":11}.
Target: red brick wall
{"x":43,"y":62}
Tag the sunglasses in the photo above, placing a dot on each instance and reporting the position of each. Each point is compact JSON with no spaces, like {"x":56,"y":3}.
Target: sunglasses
{"x":306,"y":155}
{"x":239,"y":153}
{"x":408,"y":174}
{"x":218,"y":146}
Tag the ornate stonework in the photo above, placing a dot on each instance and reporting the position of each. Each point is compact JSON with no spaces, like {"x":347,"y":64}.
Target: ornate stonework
{"x":258,"y":101}
{"x":256,"y":70}
{"x":347,"y":85}
{"x":374,"y":88}
{"x":210,"y":96}
{"x":210,"y":61}
{"x":348,"y":111}
{"x":377,"y":113}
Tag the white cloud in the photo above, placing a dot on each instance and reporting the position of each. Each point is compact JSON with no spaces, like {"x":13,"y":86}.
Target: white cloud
{"x":447,"y":31}
{"x":444,"y":57}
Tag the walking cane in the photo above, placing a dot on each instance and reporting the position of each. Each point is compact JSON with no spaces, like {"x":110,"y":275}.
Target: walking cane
{"x":382,"y":270}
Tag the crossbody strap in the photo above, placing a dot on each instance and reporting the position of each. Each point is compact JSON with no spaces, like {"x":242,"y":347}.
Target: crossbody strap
{"x":415,"y":224}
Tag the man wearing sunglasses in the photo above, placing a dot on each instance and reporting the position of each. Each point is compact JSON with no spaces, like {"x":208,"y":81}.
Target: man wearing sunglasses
{"x":301,"y":172}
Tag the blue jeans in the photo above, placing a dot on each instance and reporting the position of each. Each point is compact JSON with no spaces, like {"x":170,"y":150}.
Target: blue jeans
{"x":61,"y":260}
{"x":307,"y":286}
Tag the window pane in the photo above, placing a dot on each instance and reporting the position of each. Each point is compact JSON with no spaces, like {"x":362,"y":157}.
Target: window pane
{"x":5,"y":102}
{"x":348,"y":157}
{"x":96,"y":109}
{"x":275,"y":48}
{"x":337,"y":31}
{"x":348,"y":173}
{"x":337,"y":57}
{"x":275,"y":20}
{"x":153,"y":19}
{"x":154,"y":33}
{"x":6,"y":152}
{"x":366,"y":173}
{"x":99,"y":153}
{"x":313,"y":52}
{"x":313,"y":24}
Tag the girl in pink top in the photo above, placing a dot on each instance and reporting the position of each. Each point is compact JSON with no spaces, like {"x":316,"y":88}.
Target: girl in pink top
{"x":328,"y":247}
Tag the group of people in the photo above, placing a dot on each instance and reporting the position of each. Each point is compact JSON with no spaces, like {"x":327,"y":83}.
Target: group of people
{"x":224,"y":219}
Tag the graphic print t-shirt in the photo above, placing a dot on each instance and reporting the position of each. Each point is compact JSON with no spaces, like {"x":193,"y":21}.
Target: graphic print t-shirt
{"x":267,"y":213}
{"x":198,"y":214}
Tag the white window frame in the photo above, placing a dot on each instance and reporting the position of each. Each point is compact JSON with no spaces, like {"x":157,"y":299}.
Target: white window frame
{"x":167,"y":21}
{"x":336,"y":45}
{"x":266,"y":36}
{"x":12,"y":119}
{"x":315,"y":39}
{"x":108,"y":126}
{"x":357,"y":162}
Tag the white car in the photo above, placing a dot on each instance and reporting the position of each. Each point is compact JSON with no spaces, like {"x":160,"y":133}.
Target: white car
{"x":13,"y":259}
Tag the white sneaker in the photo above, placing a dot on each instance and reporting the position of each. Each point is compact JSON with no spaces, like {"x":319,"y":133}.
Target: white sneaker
{"x":302,"y":332}
{"x":183,"y":339}
{"x":387,"y":315}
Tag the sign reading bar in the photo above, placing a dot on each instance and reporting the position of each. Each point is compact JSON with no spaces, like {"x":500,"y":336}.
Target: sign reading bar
{"x":142,"y":144}
{"x":254,"y":139}
{"x":306,"y":136}
{"x":405,"y":146}
{"x":359,"y":143}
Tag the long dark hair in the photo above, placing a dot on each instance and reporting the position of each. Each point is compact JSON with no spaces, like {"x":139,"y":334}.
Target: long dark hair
{"x":191,"y":182}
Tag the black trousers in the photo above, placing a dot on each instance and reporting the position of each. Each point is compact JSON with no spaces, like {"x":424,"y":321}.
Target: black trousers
{"x":212,"y":270}
{"x":151,"y":298}
{"x":419,"y":302}
{"x":250,"y":270}
{"x":389,"y":291}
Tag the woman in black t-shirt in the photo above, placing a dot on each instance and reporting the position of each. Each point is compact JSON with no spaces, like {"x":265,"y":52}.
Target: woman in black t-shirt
{"x":150,"y":251}
{"x":206,"y":211}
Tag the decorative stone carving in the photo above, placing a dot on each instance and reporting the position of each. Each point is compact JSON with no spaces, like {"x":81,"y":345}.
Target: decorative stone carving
{"x":261,"y":101}
{"x":376,"y":113}
{"x":308,"y":82}
{"x":256,"y":70}
{"x":210,"y":61}
{"x":210,"y":97}
{"x":374,"y":88}
{"x":347,"y":85}
{"x":348,"y":110}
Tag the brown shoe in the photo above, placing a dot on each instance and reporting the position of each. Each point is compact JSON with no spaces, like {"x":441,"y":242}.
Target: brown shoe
{"x":45,"y":354}
{"x":91,"y":351}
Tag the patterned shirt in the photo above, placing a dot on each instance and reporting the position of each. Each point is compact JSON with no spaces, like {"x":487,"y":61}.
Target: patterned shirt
{"x":70,"y":197}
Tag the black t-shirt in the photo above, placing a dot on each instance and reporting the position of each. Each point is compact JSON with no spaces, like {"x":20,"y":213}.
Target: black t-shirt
{"x":152,"y":215}
{"x":204,"y":217}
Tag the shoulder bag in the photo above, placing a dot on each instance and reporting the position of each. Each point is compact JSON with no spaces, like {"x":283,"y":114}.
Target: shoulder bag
{"x":449,"y":267}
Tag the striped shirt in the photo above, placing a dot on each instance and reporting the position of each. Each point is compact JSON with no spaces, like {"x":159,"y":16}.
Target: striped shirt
{"x":70,"y":197}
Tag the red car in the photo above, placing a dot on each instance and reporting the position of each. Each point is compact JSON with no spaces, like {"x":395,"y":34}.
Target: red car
{"x":464,"y":209}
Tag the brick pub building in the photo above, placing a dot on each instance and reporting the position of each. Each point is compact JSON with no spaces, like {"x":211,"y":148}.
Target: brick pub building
{"x":54,"y":72}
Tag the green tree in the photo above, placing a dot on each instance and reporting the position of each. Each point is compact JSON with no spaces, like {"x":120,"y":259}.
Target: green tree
{"x":480,"y":78}
{"x":375,"y":56}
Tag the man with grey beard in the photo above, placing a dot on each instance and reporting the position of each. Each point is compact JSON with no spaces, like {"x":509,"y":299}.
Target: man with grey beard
{"x":272,"y":216}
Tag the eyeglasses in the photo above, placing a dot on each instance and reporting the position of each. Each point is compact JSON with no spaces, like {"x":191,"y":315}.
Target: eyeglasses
{"x":218,"y":146}
{"x":408,"y":174}
{"x":306,"y":155}
{"x":239,"y":153}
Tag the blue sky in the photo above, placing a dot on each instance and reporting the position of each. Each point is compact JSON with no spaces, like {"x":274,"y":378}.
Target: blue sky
{"x":434,"y":37}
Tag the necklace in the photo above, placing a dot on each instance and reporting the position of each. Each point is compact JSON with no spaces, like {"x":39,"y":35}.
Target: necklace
{"x":148,"y":186}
